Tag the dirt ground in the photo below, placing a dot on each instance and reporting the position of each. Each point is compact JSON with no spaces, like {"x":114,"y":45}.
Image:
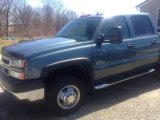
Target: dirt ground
{"x":137,"y":99}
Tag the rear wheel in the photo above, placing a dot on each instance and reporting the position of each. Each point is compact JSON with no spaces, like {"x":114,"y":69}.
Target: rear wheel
{"x":66,"y":96}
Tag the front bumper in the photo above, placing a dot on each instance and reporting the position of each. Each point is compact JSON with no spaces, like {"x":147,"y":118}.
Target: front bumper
{"x":24,"y":90}
{"x":31,"y":95}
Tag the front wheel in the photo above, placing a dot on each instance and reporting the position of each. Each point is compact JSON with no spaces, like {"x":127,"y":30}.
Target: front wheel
{"x":66,"y":96}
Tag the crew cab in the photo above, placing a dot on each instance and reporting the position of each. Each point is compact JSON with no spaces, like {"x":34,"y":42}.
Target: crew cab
{"x":89,"y":53}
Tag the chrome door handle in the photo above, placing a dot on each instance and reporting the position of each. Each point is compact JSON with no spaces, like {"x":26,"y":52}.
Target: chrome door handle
{"x":130,"y":45}
{"x":153,"y":41}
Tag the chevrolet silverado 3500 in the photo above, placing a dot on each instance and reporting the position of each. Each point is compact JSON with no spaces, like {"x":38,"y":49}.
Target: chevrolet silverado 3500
{"x":89,"y":53}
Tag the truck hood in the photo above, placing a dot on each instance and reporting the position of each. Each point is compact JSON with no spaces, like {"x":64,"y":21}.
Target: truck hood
{"x":38,"y":47}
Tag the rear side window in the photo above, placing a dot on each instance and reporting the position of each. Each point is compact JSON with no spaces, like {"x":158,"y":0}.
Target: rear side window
{"x":142,"y":25}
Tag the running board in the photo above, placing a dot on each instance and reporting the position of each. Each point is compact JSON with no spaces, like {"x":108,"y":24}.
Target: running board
{"x":106,"y":85}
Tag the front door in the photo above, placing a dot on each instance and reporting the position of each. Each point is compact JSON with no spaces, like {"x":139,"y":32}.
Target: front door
{"x":111,"y":59}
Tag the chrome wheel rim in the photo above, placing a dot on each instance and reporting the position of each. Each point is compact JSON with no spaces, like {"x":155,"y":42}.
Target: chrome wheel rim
{"x":68,"y":97}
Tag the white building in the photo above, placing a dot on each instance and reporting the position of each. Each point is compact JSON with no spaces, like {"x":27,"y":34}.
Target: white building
{"x":152,"y":7}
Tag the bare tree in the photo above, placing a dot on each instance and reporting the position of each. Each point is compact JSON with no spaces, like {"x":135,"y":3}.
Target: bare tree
{"x":7,"y":13}
{"x":24,"y":14}
{"x":71,"y":14}
{"x":2,"y":7}
{"x":65,"y":17}
{"x":2,"y":14}
{"x":37,"y":22}
{"x":28,"y":21}
{"x":60,"y":15}
{"x":48,"y":18}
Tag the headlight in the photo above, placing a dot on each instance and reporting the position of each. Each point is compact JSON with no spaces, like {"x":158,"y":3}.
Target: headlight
{"x":17,"y":63}
{"x":16,"y":69}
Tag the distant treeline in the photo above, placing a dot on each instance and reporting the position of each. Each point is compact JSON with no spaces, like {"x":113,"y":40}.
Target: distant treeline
{"x":18,"y":18}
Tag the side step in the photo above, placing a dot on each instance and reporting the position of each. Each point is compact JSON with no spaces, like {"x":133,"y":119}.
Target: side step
{"x":101,"y":86}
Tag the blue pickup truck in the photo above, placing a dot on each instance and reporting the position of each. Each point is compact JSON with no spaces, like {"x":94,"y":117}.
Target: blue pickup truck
{"x":89,"y":53}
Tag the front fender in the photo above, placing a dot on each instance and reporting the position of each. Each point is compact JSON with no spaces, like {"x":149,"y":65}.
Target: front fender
{"x":83,"y":63}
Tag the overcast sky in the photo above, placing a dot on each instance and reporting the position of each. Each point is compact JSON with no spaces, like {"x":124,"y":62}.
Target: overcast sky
{"x":93,"y":6}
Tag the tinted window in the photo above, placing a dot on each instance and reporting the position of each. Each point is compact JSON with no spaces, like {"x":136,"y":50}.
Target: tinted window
{"x":105,"y":29}
{"x":121,"y":22}
{"x":142,"y":25}
{"x":116,"y":22}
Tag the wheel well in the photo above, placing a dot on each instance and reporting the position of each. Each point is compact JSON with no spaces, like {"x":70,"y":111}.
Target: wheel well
{"x":77,"y":71}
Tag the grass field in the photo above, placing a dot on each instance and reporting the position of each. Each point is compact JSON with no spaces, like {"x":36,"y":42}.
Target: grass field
{"x":5,"y":43}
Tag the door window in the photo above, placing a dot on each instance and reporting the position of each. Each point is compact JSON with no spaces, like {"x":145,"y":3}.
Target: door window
{"x":158,"y":21}
{"x":119,"y":21}
{"x":142,"y":25}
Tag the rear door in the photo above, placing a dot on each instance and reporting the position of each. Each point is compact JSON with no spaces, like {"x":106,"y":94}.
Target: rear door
{"x":146,"y":41}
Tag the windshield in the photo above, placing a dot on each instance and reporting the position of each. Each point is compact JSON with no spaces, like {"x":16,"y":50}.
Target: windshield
{"x":79,"y":29}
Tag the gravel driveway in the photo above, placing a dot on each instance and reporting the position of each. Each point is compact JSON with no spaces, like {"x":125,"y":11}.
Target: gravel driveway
{"x":137,"y":99}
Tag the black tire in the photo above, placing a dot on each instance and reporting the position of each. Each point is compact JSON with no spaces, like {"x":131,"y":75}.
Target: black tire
{"x":58,"y":89}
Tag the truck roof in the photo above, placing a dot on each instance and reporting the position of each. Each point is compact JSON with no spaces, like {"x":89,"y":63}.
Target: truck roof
{"x":108,"y":16}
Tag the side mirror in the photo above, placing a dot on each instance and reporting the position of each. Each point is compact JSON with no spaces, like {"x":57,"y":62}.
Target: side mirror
{"x":100,"y":39}
{"x":115,"y":35}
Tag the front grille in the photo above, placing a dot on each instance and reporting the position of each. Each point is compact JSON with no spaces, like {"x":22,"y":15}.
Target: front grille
{"x":5,"y":61}
{"x":5,"y":65}
{"x":5,"y":70}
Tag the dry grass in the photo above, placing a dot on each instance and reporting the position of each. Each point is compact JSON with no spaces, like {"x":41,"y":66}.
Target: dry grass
{"x":5,"y":43}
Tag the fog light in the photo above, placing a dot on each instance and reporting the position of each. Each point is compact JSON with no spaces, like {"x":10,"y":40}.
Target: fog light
{"x":16,"y":75}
